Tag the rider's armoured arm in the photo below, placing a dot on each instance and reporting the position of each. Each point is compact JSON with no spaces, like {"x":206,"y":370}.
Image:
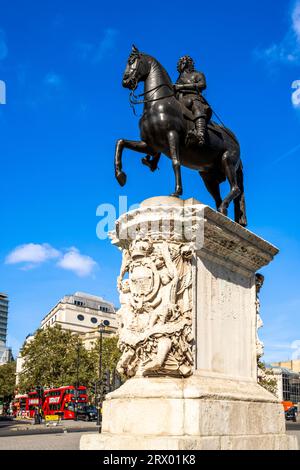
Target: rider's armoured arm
{"x":201,"y":82}
{"x":198,"y":85}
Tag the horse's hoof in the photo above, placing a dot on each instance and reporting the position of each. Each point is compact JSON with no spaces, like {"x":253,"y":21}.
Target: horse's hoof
{"x":122,"y":178}
{"x":223,"y":211}
{"x":177,"y":194}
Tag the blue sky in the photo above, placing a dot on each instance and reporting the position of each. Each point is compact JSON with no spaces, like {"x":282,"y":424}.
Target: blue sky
{"x":62,"y":63}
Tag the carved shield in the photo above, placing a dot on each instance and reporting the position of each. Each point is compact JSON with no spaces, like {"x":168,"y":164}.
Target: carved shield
{"x":144,"y":283}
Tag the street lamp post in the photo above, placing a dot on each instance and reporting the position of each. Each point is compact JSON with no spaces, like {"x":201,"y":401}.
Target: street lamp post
{"x":77,"y":382}
{"x":102,"y":327}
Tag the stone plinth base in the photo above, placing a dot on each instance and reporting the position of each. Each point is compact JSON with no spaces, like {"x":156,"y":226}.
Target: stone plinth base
{"x":198,"y":413}
{"x":259,"y":442}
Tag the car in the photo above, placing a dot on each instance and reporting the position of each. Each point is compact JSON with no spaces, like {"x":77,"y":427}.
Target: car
{"x":291,"y":414}
{"x":87,"y":413}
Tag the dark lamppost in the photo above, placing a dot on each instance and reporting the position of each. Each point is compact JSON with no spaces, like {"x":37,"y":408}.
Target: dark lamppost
{"x":38,"y":409}
{"x":102,"y":326}
{"x":77,"y":381}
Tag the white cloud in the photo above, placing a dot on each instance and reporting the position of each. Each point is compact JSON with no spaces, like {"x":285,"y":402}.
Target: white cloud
{"x":3,"y":46}
{"x":288,"y":49}
{"x":84,"y":50}
{"x":32,"y":254}
{"x":296,"y":20}
{"x":53,"y":79}
{"x":73,"y":260}
{"x":97,"y":52}
{"x":107,"y":44}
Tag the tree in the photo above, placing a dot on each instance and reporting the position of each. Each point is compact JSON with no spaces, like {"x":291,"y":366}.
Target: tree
{"x":110,"y":355}
{"x":110,"y":358}
{"x":7,"y":380}
{"x":55,"y":357}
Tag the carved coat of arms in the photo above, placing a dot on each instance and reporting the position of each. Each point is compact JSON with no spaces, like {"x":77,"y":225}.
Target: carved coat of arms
{"x":155,"y":333}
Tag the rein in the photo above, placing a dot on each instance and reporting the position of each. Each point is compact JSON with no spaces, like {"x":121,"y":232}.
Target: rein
{"x":134,"y":99}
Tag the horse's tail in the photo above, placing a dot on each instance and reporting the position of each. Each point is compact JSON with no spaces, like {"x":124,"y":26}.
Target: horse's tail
{"x":239,"y":202}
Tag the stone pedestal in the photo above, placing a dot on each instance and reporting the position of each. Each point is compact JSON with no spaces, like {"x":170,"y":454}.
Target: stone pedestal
{"x":188,"y":334}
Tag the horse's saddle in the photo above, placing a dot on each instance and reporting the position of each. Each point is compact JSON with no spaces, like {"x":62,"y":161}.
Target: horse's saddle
{"x":212,"y":126}
{"x":186,"y":112}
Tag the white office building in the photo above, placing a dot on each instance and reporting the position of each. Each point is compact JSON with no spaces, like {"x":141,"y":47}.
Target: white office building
{"x":81,"y":313}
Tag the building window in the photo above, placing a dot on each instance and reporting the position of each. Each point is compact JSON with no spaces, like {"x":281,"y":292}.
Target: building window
{"x":94,"y":320}
{"x":80,"y":317}
{"x":77,"y":302}
{"x":103,"y":309}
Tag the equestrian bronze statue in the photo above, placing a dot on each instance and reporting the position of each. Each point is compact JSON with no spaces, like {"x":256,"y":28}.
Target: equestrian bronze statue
{"x":176,"y":122}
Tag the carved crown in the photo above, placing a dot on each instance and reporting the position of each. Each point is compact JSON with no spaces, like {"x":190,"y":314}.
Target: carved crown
{"x":141,"y":248}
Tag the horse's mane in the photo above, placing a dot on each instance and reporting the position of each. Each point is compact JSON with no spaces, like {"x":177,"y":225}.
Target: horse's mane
{"x":157,"y":65}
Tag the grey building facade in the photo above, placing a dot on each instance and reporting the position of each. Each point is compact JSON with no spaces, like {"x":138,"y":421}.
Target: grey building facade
{"x":3,"y":317}
{"x":5,"y":352}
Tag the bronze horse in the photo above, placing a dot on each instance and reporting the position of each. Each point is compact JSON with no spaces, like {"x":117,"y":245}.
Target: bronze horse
{"x":164,"y":126}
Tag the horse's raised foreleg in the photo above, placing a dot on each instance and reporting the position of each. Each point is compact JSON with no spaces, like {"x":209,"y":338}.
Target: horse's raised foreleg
{"x":137,"y":146}
{"x":229,"y":163}
{"x":173,"y":139}
{"x":212,"y":185}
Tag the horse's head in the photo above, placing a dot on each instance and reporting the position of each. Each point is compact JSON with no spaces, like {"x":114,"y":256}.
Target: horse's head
{"x":137,"y":69}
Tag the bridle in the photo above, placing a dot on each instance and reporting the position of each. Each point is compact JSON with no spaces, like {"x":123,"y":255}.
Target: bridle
{"x":134,"y":99}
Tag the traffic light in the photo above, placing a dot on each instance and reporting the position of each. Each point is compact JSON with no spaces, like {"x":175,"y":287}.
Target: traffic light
{"x":104,"y":384}
{"x":116,"y":380}
{"x":94,"y":388}
{"x":40,"y":391}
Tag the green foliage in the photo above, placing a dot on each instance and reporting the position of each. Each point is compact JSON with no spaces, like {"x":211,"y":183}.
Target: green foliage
{"x":55,"y":357}
{"x":110,"y":357}
{"x":110,"y":354}
{"x":7,"y":380}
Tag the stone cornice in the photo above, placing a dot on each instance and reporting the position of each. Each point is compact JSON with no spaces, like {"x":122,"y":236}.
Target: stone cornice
{"x":210,"y":232}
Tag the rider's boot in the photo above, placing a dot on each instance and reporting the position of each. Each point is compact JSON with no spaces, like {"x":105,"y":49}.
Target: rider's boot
{"x":198,"y":134}
{"x":151,"y":162}
{"x":200,"y":130}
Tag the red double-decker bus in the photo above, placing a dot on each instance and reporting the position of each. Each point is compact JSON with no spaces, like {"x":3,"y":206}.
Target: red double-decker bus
{"x":33,"y":403}
{"x":19,"y":405}
{"x":63,"y":401}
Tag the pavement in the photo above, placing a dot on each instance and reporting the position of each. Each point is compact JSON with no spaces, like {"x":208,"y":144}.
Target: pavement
{"x":16,"y":427}
{"x":294,"y":429}
{"x":290,"y":426}
{"x":24,"y":435}
{"x":68,"y":441}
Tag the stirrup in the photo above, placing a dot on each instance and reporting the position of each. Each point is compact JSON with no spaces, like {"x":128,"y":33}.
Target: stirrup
{"x":201,"y":139}
{"x":194,"y":138}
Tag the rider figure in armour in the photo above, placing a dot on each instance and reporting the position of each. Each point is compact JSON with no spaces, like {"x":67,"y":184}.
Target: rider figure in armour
{"x":188,"y":88}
